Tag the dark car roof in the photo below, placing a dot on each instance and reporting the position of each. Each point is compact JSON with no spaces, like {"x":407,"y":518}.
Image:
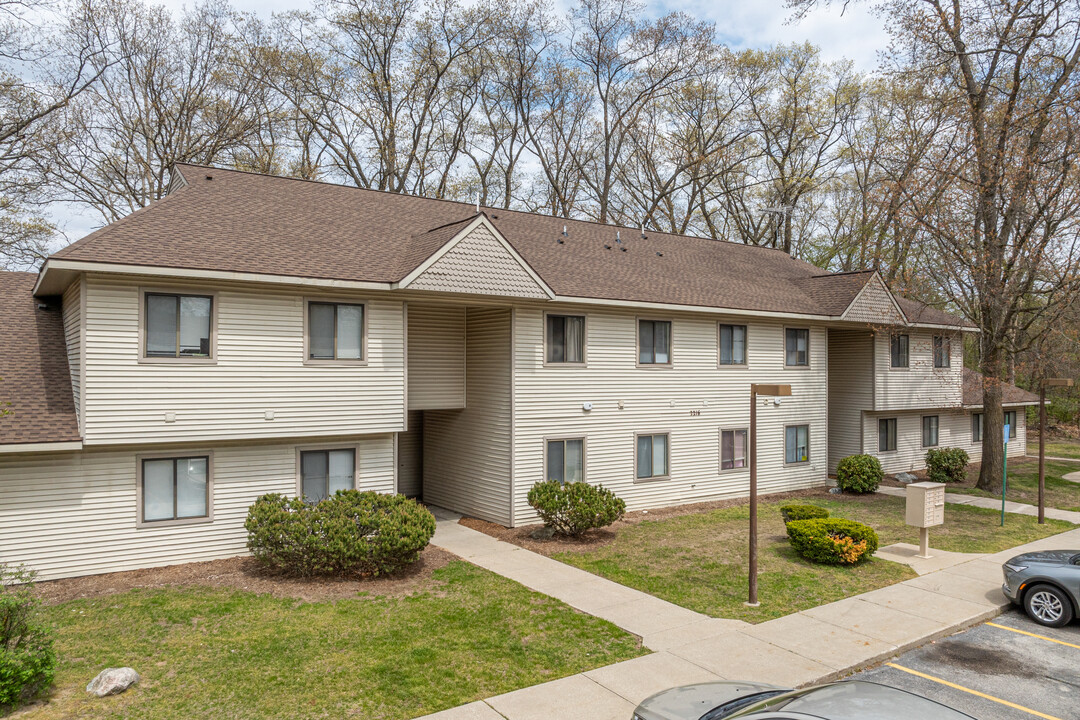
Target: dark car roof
{"x":861,"y":700}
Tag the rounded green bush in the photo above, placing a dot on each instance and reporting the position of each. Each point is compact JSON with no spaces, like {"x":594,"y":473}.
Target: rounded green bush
{"x":27,"y":658}
{"x":946,"y":465}
{"x":802,"y":512}
{"x":574,"y":508}
{"x":351,"y":533}
{"x":859,"y":474}
{"x":832,"y":541}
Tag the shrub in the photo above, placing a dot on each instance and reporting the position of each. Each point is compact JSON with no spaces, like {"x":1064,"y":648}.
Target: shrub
{"x":803,"y":512}
{"x":573,"y":508}
{"x":27,"y":658}
{"x":351,"y":533}
{"x":832,"y":541}
{"x":947,"y":464}
{"x":859,"y":474}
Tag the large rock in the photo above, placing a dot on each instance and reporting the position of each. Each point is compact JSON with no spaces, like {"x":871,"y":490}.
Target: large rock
{"x":112,"y":681}
{"x":906,"y":477}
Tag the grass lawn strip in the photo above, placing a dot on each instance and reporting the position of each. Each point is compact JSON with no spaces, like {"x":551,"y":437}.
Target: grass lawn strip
{"x":1024,"y":484}
{"x":699,"y":561}
{"x":226,"y":653}
{"x":1057,"y":448}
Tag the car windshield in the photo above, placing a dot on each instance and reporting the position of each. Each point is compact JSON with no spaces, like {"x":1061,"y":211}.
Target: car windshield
{"x":729,"y":708}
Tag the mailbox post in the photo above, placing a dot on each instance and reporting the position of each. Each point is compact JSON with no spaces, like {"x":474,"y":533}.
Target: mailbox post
{"x":925,"y":509}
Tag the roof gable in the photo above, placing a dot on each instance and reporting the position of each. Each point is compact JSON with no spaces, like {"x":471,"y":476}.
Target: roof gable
{"x":477,"y":260}
{"x":875,"y":305}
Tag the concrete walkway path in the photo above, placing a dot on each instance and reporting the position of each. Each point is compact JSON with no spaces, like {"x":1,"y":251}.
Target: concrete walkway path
{"x":995,"y":504}
{"x":815,"y":645}
{"x":1055,"y":459}
{"x":1072,"y":477}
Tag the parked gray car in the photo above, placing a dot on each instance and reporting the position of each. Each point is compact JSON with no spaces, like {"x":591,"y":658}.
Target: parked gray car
{"x":1046,"y":584}
{"x":848,"y":700}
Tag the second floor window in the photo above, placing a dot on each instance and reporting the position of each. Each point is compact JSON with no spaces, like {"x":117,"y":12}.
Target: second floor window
{"x":178,"y":326}
{"x":335,"y":331}
{"x":732,"y":344}
{"x":565,"y":339}
{"x":930,"y":431}
{"x":797,"y":347}
{"x":899,"y":351}
{"x":324,"y":472}
{"x":654,"y":342}
{"x":942,"y":351}
{"x":566,"y":460}
{"x":732,"y":449}
{"x":886,"y":434}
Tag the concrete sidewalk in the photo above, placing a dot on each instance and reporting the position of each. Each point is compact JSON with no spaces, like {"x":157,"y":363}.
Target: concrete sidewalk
{"x":819,"y":644}
{"x":995,"y":504}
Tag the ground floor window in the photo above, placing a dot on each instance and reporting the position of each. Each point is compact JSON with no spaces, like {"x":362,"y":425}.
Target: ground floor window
{"x":733,"y":449}
{"x":566,"y":460}
{"x":797,"y":444}
{"x":1010,"y":420}
{"x":976,"y":427}
{"x":652,"y":456}
{"x":886,"y":434}
{"x":324,"y":472}
{"x":175,"y":488}
{"x":929,"y":430}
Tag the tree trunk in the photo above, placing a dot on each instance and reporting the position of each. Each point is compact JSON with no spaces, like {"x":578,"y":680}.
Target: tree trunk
{"x":993,"y":451}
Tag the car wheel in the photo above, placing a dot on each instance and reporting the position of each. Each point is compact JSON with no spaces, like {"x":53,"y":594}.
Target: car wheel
{"x":1047,"y":605}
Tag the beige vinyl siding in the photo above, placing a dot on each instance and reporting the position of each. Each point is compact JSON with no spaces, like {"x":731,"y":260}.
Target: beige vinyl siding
{"x":691,"y":400}
{"x":410,"y":456}
{"x":436,"y":356}
{"x":75,"y":513}
{"x":920,"y":385}
{"x":851,"y":390}
{"x":73,"y":330}
{"x":954,"y":430}
{"x":467,"y":452}
{"x":259,"y":368}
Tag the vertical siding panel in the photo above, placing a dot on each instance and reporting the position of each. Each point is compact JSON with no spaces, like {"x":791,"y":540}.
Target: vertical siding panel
{"x":436,"y":357}
{"x":467,"y":452}
{"x":851,"y":390}
{"x":72,"y":315}
{"x":410,"y":456}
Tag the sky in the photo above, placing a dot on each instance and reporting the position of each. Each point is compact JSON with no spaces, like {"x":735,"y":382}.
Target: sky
{"x":853,"y":33}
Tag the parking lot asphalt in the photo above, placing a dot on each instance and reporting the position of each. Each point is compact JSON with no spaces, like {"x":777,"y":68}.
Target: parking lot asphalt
{"x":995,"y":671}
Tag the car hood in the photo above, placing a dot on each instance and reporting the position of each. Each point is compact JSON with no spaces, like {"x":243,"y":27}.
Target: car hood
{"x":1046,"y":557}
{"x":861,"y":700}
{"x":693,"y":701}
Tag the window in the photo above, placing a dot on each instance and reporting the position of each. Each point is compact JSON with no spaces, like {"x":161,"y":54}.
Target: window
{"x":976,"y":427}
{"x":652,"y":456}
{"x":797,"y":344}
{"x":175,"y":488}
{"x":565,"y":338}
{"x":797,"y":444}
{"x":732,"y":344}
{"x":654,"y":342}
{"x":1010,"y":420}
{"x":886,"y":434}
{"x":929,"y":430}
{"x":942,"y":351}
{"x":899,"y":352}
{"x":324,"y":472}
{"x":335,"y":331}
{"x":733,"y":449}
{"x":177,"y":326}
{"x":566,"y":460}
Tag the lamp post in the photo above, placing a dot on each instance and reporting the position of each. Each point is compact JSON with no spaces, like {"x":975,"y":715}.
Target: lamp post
{"x":755,"y":390}
{"x":1047,"y":382}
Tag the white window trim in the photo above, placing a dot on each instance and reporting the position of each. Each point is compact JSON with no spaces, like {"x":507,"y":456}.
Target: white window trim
{"x":720,"y":453}
{"x":809,"y":447}
{"x":584,"y":453}
{"x":365,"y":350}
{"x":637,"y":346}
{"x":182,"y":291}
{"x":203,"y":520}
{"x":585,"y":340}
{"x":300,"y":449}
{"x":809,"y":347}
{"x":652,"y":478}
{"x":745,"y":365}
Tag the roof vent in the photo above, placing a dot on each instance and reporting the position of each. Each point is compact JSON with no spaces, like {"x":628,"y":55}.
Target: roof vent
{"x":618,"y":237}
{"x":565,"y":234}
{"x":607,"y":247}
{"x":209,"y":177}
{"x":659,"y":254}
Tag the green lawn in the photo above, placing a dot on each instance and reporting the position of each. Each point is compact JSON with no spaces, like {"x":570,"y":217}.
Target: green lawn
{"x":1058,"y":448}
{"x":1024,"y":484}
{"x":699,"y":560}
{"x":213,"y":653}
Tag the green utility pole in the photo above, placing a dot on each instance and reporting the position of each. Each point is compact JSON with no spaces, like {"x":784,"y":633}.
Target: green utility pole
{"x":1004,"y":473}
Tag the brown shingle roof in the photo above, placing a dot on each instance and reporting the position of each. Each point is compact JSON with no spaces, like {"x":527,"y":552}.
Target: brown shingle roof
{"x":918,"y":312}
{"x":34,"y":376}
{"x":1011,"y":395}
{"x":245,"y":222}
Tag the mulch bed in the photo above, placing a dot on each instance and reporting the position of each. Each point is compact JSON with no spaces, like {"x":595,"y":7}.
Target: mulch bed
{"x":520,"y":536}
{"x":244,"y":573}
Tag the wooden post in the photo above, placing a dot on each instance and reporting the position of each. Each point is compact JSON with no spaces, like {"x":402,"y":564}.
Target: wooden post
{"x":753,"y":599}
